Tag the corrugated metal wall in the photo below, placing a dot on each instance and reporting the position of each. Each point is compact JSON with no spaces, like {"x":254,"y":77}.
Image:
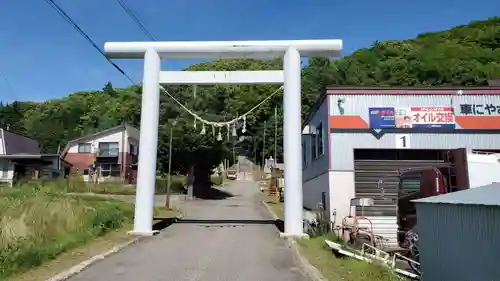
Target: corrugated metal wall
{"x":368,"y":172}
{"x":459,"y":242}
{"x":359,"y":104}
{"x":384,"y":226}
{"x":383,"y":215}
{"x":343,"y":144}
{"x":316,"y":166}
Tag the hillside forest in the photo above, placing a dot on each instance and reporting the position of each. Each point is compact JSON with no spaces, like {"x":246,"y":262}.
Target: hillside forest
{"x":467,"y":55}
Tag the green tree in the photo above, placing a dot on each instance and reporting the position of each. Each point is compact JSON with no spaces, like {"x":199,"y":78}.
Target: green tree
{"x":466,"y":55}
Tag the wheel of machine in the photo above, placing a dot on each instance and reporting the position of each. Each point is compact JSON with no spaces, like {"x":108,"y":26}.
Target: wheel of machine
{"x":411,"y":240}
{"x":357,"y":240}
{"x":365,"y":239}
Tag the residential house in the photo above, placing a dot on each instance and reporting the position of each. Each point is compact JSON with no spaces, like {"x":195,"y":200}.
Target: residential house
{"x":111,"y":154}
{"x":21,"y":158}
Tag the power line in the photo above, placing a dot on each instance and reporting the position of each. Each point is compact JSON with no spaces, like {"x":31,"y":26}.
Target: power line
{"x":135,"y":17}
{"x":6,"y":80}
{"x":69,"y":20}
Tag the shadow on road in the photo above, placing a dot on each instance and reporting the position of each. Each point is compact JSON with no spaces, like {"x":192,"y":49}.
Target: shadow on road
{"x":212,"y":194}
{"x":280,"y":225}
{"x":277,"y":223}
{"x":163,"y":223}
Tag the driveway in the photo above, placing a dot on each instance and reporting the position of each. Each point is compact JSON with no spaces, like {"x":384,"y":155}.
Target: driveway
{"x":230,"y":239}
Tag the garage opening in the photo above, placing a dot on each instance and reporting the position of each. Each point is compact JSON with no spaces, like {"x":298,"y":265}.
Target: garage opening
{"x":372,"y":166}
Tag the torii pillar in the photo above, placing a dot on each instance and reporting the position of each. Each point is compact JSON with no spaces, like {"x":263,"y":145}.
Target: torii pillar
{"x":290,"y":77}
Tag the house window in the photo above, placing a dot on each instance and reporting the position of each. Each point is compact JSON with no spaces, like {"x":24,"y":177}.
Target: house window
{"x":304,"y":154}
{"x":109,"y":149}
{"x":317,"y":141}
{"x":4,"y":166}
{"x":320,"y":140}
{"x":314,"y":143}
{"x":110,"y":170}
{"x":132,"y":149}
{"x":84,"y":148}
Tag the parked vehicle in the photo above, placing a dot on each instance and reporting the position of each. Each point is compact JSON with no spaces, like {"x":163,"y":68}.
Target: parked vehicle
{"x":231,"y":174}
{"x":461,"y":172}
{"x":414,"y":184}
{"x":474,"y":169}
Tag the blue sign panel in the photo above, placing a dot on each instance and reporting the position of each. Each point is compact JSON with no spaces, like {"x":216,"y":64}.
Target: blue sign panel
{"x":433,"y":126}
{"x":382,"y":117}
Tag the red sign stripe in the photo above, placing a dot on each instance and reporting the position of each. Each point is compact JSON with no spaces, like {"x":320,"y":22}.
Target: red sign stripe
{"x":495,"y":91}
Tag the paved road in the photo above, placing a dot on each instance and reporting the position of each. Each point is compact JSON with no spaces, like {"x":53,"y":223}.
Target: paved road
{"x":235,"y":251}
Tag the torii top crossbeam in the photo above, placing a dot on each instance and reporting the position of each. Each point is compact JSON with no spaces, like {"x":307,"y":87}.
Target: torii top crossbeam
{"x":224,"y":49}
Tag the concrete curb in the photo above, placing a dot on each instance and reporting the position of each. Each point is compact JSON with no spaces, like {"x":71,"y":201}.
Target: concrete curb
{"x":312,"y":272}
{"x":87,"y":263}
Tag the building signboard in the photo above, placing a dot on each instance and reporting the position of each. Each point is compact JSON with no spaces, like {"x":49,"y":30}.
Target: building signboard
{"x":433,"y":117}
{"x":479,"y":109}
{"x":411,"y":117}
{"x":382,"y":117}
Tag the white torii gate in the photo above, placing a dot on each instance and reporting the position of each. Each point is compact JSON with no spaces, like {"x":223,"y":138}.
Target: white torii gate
{"x":153,"y":52}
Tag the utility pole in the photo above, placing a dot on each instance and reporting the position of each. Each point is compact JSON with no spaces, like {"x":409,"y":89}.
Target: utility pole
{"x":275,"y":137}
{"x":169,"y":178}
{"x":254,"y":150}
{"x":234,"y":157}
{"x":264,"y":147}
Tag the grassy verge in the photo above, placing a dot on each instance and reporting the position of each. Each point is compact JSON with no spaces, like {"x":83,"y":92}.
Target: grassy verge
{"x":216,"y":180}
{"x":75,"y":185}
{"x":331,"y":267}
{"x":39,"y":227}
{"x":81,"y":253}
{"x":347,"y":269}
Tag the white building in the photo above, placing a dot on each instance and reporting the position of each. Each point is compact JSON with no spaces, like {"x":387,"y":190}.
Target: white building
{"x":356,"y":136}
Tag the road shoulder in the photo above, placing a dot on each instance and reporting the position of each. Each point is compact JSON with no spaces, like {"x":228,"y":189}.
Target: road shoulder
{"x":75,"y":261}
{"x":312,"y":272}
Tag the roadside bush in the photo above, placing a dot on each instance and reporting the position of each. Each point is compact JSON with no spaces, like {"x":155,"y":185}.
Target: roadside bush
{"x":176,"y":185}
{"x":36,"y":225}
{"x":75,"y":185}
{"x":216,"y":180}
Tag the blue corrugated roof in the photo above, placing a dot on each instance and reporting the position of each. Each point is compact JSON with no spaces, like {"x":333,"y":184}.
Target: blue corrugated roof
{"x":488,"y":195}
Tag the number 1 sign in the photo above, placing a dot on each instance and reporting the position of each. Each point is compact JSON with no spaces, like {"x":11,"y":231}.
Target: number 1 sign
{"x":402,"y":140}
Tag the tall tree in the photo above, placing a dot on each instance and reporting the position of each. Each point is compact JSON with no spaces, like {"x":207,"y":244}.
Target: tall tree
{"x":465,"y":55}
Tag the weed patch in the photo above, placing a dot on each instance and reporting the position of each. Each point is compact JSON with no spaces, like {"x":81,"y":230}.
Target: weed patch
{"x":36,"y":224}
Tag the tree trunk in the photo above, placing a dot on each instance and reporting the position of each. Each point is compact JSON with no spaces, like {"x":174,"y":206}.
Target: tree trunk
{"x":190,"y":183}
{"x":202,"y":183}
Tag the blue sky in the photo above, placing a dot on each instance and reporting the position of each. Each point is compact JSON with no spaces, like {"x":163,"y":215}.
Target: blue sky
{"x":43,"y":57}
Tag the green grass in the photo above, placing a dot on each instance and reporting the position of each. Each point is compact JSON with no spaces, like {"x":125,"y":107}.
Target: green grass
{"x":75,"y":185}
{"x":347,"y":269}
{"x":216,"y":180}
{"x":38,"y":224}
{"x":333,"y":268}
